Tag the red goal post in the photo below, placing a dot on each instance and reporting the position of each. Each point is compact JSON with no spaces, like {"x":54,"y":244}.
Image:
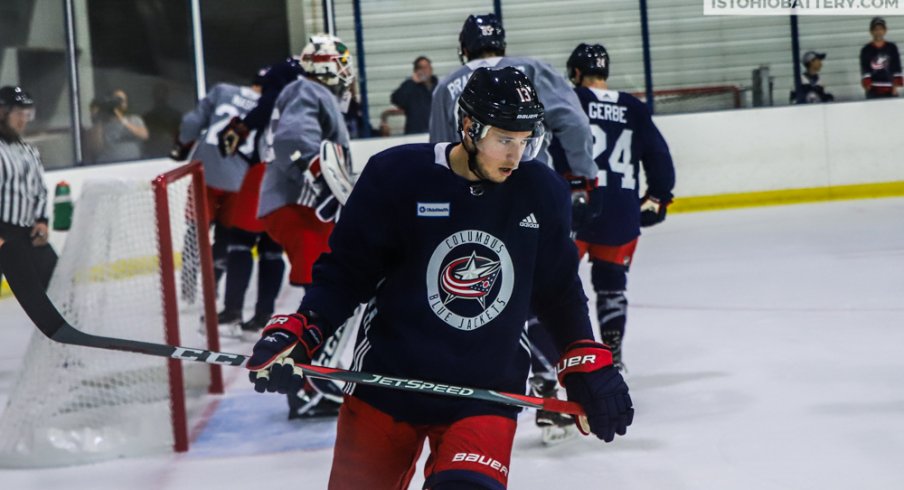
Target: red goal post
{"x":197,"y":207}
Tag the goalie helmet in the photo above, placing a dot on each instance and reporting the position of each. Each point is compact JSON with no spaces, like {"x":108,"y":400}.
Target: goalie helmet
{"x":591,"y":59}
{"x":504,"y":98}
{"x":329,"y":60}
{"x":481,"y":33}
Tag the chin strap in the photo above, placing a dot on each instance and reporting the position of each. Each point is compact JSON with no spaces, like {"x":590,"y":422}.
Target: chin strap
{"x":479,"y":187}
{"x":472,"y":163}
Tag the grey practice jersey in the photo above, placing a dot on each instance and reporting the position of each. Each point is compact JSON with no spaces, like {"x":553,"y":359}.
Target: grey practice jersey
{"x":564,"y":116}
{"x":305,"y":114}
{"x":212,"y":114}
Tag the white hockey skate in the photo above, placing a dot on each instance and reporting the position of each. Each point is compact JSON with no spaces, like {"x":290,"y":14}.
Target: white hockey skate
{"x":555,"y":428}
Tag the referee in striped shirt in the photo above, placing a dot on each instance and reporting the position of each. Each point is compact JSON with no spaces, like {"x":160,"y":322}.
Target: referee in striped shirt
{"x":23,"y":194}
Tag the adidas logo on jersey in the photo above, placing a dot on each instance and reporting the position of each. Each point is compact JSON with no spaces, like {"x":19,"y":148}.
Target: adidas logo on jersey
{"x":529,"y":222}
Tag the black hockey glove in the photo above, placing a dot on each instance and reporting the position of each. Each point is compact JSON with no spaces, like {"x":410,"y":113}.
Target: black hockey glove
{"x":180,"y":151}
{"x":232,"y":136}
{"x":589,"y":378}
{"x":583,"y":209}
{"x":285,"y":341}
{"x":652,"y":210}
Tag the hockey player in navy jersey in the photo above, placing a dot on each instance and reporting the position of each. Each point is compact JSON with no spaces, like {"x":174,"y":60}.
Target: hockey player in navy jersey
{"x":482,"y":44}
{"x":624,"y":138}
{"x":452,"y":245}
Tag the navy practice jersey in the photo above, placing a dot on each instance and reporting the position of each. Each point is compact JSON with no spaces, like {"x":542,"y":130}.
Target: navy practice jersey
{"x":880,"y":67}
{"x":623,"y":136}
{"x":451,"y":271}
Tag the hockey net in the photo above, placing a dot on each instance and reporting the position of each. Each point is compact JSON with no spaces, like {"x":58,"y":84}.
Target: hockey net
{"x":695,"y":99}
{"x":136,"y":265}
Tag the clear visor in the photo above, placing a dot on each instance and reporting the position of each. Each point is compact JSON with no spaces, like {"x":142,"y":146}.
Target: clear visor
{"x":28,"y":113}
{"x":510,"y":145}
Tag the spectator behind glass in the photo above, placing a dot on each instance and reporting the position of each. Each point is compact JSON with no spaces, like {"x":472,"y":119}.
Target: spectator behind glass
{"x":354,"y":117}
{"x":414,"y":97}
{"x":880,"y":64}
{"x":811,"y":89}
{"x":162,"y":122}
{"x":116,"y":135}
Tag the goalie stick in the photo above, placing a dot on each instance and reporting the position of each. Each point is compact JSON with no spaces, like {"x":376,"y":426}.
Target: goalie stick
{"x":23,"y":281}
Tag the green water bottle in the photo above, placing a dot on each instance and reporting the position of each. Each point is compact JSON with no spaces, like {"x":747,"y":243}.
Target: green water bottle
{"x":62,"y":207}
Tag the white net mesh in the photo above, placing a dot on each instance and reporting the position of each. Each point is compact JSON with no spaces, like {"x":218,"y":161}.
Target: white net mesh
{"x":75,"y":404}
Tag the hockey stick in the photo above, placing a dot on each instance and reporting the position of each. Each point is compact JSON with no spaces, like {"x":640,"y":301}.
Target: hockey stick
{"x":24,"y":284}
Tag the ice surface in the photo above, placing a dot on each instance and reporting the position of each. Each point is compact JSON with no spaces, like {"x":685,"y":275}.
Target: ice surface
{"x":764,"y":348}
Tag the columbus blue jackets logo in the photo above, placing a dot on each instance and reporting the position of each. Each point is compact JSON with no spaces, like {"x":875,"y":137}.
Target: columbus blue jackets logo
{"x":469,"y":279}
{"x":878,"y":63}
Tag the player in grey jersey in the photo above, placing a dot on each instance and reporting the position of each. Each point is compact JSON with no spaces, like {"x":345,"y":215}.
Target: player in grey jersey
{"x":223,"y":175}
{"x":233,"y":188}
{"x":223,"y":102}
{"x":482,"y":43}
{"x":296,"y":205}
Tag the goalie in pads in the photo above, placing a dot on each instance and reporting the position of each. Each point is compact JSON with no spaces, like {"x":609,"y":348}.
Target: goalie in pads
{"x":297,"y":205}
{"x":305,"y":149}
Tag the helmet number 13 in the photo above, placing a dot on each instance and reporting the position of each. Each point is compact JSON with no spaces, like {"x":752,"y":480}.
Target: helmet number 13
{"x":524,"y":94}
{"x":619,"y":158}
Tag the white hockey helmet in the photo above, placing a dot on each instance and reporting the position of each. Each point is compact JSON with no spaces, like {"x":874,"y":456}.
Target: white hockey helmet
{"x":328,"y":59}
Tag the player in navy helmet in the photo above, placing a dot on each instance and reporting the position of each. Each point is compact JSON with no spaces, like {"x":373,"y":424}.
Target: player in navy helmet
{"x":626,"y":138}
{"x":482,"y":44}
{"x":588,"y":59}
{"x":451,"y":245}
{"x":502,"y":99}
{"x":481,"y":35}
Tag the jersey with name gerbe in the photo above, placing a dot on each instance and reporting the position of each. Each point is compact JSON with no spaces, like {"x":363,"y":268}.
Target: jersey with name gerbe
{"x":624,"y":138}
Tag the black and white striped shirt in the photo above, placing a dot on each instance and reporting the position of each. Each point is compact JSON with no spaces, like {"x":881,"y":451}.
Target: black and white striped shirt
{"x":23,"y":194}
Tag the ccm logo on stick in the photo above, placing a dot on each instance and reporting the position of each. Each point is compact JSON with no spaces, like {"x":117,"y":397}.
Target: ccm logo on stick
{"x":207,"y":356}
